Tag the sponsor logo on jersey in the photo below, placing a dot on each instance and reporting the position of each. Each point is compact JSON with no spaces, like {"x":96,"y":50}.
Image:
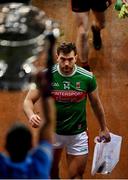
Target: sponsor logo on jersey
{"x":68,"y":96}
{"x":55,"y":84}
{"x":78,"y":85}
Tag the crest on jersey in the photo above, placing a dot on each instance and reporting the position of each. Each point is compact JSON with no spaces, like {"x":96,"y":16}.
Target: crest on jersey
{"x":66,"y":84}
{"x":78,"y":85}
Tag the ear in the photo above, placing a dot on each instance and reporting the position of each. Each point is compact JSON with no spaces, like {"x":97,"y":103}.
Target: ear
{"x":76,"y":57}
{"x":57,"y":56}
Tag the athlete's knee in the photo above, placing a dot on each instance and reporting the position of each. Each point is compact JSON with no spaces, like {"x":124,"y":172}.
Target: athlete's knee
{"x":76,"y":171}
{"x":83,"y":33}
{"x":102,"y":24}
{"x":99,"y":25}
{"x":76,"y":174}
{"x":99,"y":20}
{"x":83,"y":27}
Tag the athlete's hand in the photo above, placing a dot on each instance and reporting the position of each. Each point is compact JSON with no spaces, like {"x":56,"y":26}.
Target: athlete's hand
{"x":125,"y":1}
{"x":35,"y":120}
{"x":104,"y":136}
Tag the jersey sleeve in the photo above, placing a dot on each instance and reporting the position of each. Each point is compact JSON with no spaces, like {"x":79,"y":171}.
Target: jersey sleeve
{"x":42,"y":159}
{"x":92,"y":84}
{"x":3,"y":167}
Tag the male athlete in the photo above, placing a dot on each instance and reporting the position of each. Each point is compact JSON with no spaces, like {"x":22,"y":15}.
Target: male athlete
{"x":71,"y":86}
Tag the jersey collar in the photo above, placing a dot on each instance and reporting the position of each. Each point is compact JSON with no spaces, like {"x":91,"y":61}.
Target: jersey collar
{"x":74,"y":71}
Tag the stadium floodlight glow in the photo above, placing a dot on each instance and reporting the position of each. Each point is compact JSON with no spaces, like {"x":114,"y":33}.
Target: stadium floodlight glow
{"x":23,"y":32}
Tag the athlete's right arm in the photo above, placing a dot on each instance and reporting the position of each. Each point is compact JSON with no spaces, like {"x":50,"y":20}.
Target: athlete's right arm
{"x":28,"y":107}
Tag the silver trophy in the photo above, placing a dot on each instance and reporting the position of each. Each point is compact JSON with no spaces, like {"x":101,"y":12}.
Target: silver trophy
{"x":24,"y":32}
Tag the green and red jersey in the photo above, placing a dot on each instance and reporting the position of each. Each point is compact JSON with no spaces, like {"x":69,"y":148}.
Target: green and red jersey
{"x":70,"y":94}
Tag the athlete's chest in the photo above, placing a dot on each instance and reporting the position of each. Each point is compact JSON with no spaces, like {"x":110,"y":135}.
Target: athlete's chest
{"x":69,"y":89}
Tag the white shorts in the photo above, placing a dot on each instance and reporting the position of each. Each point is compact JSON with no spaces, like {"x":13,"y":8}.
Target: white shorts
{"x":74,"y":144}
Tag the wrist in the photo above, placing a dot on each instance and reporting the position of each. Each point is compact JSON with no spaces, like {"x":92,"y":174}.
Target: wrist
{"x":103,"y":128}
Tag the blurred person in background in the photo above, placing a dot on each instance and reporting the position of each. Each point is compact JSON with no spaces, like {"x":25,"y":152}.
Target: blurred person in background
{"x":82,"y":9}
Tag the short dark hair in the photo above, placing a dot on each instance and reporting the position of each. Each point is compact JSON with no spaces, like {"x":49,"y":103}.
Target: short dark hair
{"x":66,"y":48}
{"x":18,"y":142}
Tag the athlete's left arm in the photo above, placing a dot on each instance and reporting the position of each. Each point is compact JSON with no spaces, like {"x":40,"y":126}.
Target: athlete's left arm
{"x":100,"y":114}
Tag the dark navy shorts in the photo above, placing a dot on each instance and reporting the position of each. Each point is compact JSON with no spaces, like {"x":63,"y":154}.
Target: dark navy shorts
{"x":86,"y":5}
{"x":17,"y":1}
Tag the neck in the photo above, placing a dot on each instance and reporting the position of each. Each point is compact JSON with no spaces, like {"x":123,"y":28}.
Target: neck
{"x":67,"y":74}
